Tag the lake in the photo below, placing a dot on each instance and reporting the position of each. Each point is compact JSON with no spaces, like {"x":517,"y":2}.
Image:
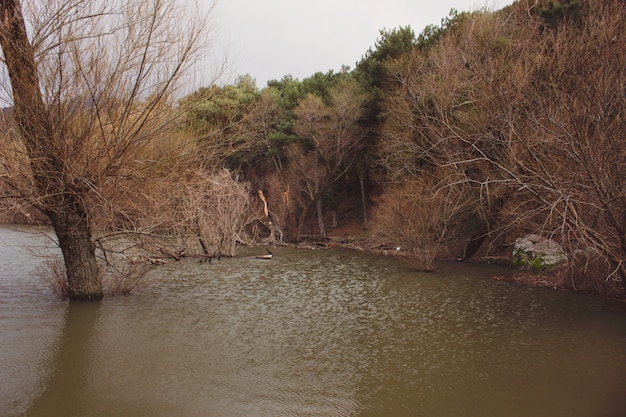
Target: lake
{"x":307,"y":333}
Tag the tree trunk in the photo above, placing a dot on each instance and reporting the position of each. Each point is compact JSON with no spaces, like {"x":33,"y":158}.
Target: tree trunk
{"x":302,"y":220}
{"x":79,"y":254}
{"x":56,"y":195}
{"x":363,"y":200}
{"x":320,"y":218}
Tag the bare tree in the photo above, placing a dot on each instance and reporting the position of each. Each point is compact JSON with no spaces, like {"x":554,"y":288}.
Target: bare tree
{"x":333,"y":139}
{"x":218,"y":208}
{"x":417,"y":217}
{"x":530,"y":117}
{"x":91,"y":84}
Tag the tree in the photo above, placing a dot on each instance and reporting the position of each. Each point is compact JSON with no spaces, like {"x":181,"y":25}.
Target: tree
{"x":91,"y":84}
{"x":392,"y":44}
{"x":431,"y":34}
{"x":331,"y":138}
{"x":216,"y":116}
{"x":218,"y":207}
{"x":416,"y":217}
{"x":531,"y":119}
{"x":555,"y":11}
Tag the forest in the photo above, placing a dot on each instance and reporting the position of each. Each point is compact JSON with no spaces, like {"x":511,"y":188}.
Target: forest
{"x":450,"y":143}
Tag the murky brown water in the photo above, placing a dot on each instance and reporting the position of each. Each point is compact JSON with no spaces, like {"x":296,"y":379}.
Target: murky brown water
{"x":308,"y":333}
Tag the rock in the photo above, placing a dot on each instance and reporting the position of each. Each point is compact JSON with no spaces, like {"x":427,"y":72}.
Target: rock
{"x":536,"y":252}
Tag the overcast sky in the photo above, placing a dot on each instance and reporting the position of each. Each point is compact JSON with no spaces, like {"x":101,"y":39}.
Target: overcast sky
{"x":272,"y":38}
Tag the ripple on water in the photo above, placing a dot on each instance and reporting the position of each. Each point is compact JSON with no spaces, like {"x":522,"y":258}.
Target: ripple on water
{"x":319,"y":333}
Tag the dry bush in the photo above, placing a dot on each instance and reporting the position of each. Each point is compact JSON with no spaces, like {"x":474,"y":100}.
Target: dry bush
{"x":214,"y":207}
{"x":538,"y":114}
{"x":52,"y":273}
{"x":124,"y":279}
{"x":116,"y":280}
{"x":142,"y":197}
{"x":218,"y":207}
{"x":184,"y":198}
{"x":16,"y":185}
{"x":592,"y":273}
{"x":416,"y":217}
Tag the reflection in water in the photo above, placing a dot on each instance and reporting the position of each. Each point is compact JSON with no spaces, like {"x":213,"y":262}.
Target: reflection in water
{"x":321,"y":333}
{"x":66,"y":392}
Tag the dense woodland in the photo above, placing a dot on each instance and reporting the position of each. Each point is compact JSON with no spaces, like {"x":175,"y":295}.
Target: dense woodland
{"x":450,"y":143}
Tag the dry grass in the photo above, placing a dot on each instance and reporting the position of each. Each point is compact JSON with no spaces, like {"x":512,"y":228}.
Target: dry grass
{"x":123,"y":280}
{"x":52,"y":273}
{"x":120,"y":280}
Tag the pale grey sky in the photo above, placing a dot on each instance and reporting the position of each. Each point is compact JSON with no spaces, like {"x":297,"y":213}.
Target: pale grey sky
{"x":272,"y":38}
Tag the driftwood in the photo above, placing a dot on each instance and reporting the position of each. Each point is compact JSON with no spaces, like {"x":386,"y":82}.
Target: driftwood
{"x":177,"y":254}
{"x":208,"y":258}
{"x":268,"y":256}
{"x":146,"y":248}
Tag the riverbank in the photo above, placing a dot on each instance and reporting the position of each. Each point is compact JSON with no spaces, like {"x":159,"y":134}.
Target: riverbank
{"x":352,"y":236}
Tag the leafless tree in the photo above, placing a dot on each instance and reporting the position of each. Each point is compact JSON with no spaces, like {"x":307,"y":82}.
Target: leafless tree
{"x":333,"y":139}
{"x":417,"y":217}
{"x":91,"y":85}
{"x":530,"y":117}
{"x":218,"y":209}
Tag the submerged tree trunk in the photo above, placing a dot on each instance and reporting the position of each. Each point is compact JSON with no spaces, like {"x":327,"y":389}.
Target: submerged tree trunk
{"x":83,"y":275}
{"x":58,"y":197}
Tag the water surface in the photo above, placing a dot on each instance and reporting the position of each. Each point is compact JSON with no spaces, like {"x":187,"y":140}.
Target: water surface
{"x":308,"y":333}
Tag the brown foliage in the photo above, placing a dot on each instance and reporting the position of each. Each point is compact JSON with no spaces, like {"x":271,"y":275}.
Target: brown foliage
{"x":417,"y":218}
{"x":531,"y":118}
{"x":90,"y":84}
{"x":217,"y":208}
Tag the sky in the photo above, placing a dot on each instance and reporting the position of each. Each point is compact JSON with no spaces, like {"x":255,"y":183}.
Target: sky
{"x":273,"y":38}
